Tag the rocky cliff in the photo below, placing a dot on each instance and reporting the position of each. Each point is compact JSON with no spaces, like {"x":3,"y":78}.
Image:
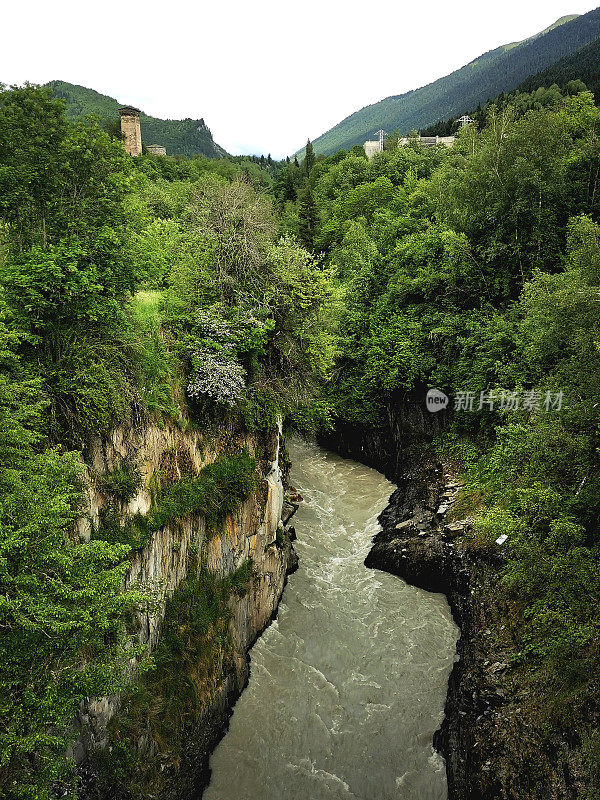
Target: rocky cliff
{"x":181,"y":550}
{"x":393,"y":442}
{"x":496,"y":744}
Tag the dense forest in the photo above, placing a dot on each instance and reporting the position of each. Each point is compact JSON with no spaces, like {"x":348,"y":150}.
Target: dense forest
{"x":320,"y":289}
{"x":584,"y":65}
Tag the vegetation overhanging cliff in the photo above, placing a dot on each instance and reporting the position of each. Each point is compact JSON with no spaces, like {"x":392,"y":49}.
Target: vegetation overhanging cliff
{"x":197,"y":298}
{"x":154,"y":331}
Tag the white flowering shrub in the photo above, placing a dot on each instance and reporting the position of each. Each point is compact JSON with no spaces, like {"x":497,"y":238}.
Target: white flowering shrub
{"x":218,"y":376}
{"x":211,"y":325}
{"x":234,"y":328}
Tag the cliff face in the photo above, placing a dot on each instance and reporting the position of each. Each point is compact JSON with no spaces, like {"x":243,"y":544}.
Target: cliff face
{"x":180,"y":548}
{"x":495,"y":747}
{"x":395,"y":441}
{"x":495,"y":744}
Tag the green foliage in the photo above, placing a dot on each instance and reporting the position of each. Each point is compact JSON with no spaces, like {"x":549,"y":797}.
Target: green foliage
{"x":114,"y":275}
{"x":248,"y":314}
{"x":216,"y":492}
{"x":65,"y":273}
{"x":573,"y":73}
{"x":194,"y":651}
{"x":309,"y":158}
{"x":123,"y":483}
{"x":156,"y":369}
{"x":58,"y":180}
{"x":478,"y":269}
{"x":88,"y":378}
{"x":62,"y":607}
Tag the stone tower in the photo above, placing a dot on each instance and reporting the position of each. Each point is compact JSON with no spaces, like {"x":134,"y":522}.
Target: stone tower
{"x":130,"y":128}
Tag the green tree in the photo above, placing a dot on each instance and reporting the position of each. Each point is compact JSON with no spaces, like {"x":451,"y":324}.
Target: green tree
{"x":62,"y":609}
{"x":67,"y":274}
{"x":308,"y":218}
{"x":309,"y":158}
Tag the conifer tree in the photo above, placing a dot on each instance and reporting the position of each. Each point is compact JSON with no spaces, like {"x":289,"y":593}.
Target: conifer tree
{"x":307,"y":218}
{"x":309,"y":160}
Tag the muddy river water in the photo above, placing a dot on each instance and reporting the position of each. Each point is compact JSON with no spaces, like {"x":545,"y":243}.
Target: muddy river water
{"x":348,"y":685}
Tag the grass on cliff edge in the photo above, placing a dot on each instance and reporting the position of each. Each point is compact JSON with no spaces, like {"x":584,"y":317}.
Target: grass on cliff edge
{"x":157,"y":375}
{"x":218,"y":490}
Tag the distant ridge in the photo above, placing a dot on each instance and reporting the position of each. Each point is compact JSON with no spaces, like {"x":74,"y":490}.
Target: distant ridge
{"x":499,"y":70}
{"x":188,"y":137}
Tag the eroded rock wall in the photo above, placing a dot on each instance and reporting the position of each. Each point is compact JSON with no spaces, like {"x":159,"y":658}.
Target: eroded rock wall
{"x":495,"y":747}
{"x":183,"y":545}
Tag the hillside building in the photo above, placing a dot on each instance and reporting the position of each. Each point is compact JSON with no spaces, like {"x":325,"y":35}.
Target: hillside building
{"x":372,"y":147}
{"x":156,"y":149}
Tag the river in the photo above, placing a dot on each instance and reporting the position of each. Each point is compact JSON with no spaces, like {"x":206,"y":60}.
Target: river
{"x":348,"y":685}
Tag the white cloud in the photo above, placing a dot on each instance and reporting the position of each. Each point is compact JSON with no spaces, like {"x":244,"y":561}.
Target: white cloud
{"x":265,"y":76}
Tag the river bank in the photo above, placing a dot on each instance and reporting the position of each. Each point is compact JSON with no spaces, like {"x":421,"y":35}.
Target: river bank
{"x":495,"y":736}
{"x":494,"y":746}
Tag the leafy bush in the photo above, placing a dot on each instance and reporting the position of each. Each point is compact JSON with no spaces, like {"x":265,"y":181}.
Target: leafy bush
{"x":123,"y":483}
{"x":218,"y":490}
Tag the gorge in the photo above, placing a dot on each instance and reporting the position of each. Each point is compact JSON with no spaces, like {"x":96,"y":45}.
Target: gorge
{"x":167,"y":326}
{"x":347,"y":686}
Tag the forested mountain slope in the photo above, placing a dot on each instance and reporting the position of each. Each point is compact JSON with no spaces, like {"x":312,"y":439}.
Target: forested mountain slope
{"x":188,"y":137}
{"x":583,"y":65}
{"x":499,"y":70}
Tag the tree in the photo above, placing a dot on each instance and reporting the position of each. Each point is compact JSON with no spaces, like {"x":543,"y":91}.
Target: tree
{"x":66,"y":274}
{"x":308,"y":218}
{"x":309,"y":158}
{"x":62,"y":609}
{"x":240,"y":222}
{"x":57,"y":179}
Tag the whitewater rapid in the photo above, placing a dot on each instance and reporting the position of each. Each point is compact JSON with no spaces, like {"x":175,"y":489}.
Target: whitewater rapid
{"x":348,"y":685}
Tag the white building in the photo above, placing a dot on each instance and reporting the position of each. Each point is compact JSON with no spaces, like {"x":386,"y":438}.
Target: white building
{"x":373,"y":147}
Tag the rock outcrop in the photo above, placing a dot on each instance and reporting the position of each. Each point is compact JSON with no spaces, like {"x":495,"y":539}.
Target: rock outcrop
{"x":494,"y":749}
{"x":254,"y":531}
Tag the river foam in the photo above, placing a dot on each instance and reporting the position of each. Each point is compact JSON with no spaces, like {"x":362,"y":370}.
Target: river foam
{"x":348,"y":685}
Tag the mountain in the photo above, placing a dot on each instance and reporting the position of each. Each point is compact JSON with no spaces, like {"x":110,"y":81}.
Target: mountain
{"x":499,"y":70}
{"x":584,"y":65}
{"x":188,"y":137}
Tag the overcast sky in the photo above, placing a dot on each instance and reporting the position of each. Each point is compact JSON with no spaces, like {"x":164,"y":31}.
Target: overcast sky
{"x":264,"y":75}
